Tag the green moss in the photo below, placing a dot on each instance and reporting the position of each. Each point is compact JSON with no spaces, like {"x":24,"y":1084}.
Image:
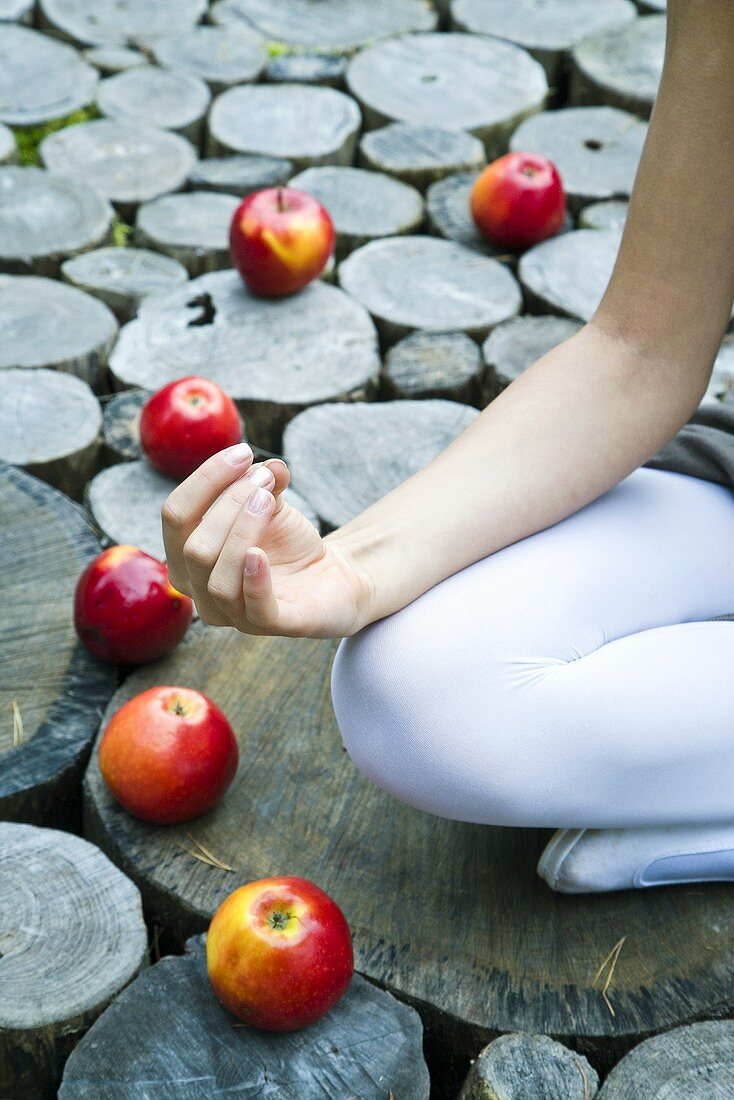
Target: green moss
{"x":28,"y":138}
{"x":121,"y":232}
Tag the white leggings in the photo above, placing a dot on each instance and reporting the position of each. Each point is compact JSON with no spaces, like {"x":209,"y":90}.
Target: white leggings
{"x":563,"y":681}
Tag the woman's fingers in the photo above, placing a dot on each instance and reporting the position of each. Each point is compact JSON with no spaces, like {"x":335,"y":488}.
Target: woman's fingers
{"x":225,"y":585}
{"x":261,"y":606}
{"x":189,"y":501}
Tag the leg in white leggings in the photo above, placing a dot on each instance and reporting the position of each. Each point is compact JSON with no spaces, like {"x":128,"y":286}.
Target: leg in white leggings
{"x":564,"y":680}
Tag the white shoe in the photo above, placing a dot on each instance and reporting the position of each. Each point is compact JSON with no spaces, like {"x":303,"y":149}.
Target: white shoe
{"x":580,"y":861}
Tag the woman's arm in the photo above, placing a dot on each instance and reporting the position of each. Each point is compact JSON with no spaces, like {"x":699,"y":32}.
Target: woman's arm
{"x":588,"y":413}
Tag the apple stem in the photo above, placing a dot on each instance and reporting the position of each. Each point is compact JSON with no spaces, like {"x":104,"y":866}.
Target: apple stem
{"x":281,"y":204}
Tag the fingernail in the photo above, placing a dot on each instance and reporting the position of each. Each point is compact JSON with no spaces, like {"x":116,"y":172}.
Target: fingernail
{"x":252,"y":561}
{"x":261,"y":475}
{"x":238,"y":454}
{"x":258,"y":501}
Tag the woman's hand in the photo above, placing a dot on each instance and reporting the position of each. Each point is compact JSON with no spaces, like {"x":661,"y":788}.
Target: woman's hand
{"x":250,"y":560}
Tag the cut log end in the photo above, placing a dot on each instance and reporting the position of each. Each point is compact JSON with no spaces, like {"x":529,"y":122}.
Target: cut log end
{"x":420,"y":154}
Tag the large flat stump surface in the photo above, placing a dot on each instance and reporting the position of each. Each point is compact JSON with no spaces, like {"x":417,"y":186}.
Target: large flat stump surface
{"x":452,"y":915}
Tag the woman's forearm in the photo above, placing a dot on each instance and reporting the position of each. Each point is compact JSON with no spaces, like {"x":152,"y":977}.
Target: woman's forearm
{"x":570,"y":427}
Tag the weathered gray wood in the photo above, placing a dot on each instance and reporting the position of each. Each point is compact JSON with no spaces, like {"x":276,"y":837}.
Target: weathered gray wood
{"x":422,"y":282}
{"x":523,"y":1066}
{"x":338,"y":25}
{"x":40,"y":78}
{"x":687,"y":1063}
{"x":239,"y":175}
{"x":51,"y":688}
{"x":433,"y":364}
{"x":50,"y":424}
{"x":448,"y":214}
{"x":122,"y":277}
{"x":497,"y":950}
{"x":363,"y":205}
{"x":420,"y":154}
{"x":219,"y":55}
{"x":595,"y":149}
{"x":458,"y":81}
{"x":150,"y":96}
{"x":71,"y":937}
{"x":306,"y":68}
{"x":121,"y":429}
{"x":44,"y":323}
{"x":611,"y":214}
{"x":569,"y":274}
{"x":306,"y":125}
{"x":125,"y":502}
{"x":621,"y":66}
{"x":17,"y":11}
{"x":514,"y":346}
{"x":45,"y":218}
{"x":274,"y":357}
{"x":8,"y":148}
{"x":113,"y":59}
{"x":108,"y":22}
{"x":127,"y":164}
{"x":345,"y":457}
{"x":170,"y":1026}
{"x":547,"y":31}
{"x":192,"y":227}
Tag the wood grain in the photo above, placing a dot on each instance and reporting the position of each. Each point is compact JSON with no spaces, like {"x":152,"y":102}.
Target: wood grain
{"x":420,"y":154}
{"x":122,"y":277}
{"x":71,"y":937}
{"x":40,"y":78}
{"x":569,"y":274}
{"x":147,"y":95}
{"x":620,"y":67}
{"x":523,"y":1066}
{"x":689,"y":1063}
{"x":307,"y":68}
{"x":219,"y":55}
{"x":192,"y":228}
{"x":493,"y":949}
{"x":274,"y":357}
{"x":433,"y":364}
{"x":52,"y":690}
{"x":109,"y":22}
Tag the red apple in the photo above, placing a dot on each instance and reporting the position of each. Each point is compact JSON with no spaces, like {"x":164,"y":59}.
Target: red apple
{"x":279,"y":240}
{"x":125,"y":608}
{"x":279,"y":953}
{"x":518,"y":200}
{"x":168,"y":755}
{"x":187,"y":422}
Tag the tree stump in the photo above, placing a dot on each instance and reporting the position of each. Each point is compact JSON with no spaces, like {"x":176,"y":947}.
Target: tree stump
{"x":122,"y":277}
{"x":340,"y":26}
{"x":72,"y":936}
{"x":219,"y":55}
{"x":109,"y":22}
{"x":274,"y":357}
{"x":569,"y":274}
{"x":514,"y":346}
{"x":457,"y":81}
{"x":306,"y":125}
{"x":50,"y":424}
{"x":547,"y":31}
{"x":40,"y":78}
{"x":363,"y":205}
{"x":595,"y":149}
{"x":307,"y":68}
{"x":51,"y":688}
{"x":74,"y":217}
{"x":125,"y":503}
{"x":147,"y":95}
{"x":8,"y":148}
{"x":345,"y":457}
{"x":239,"y":175}
{"x":127,"y":164}
{"x":16,"y":11}
{"x":694,"y":1062}
{"x":495,"y":950}
{"x":44,"y":323}
{"x":121,"y":427}
{"x":420,"y":154}
{"x":192,"y":228}
{"x":620,"y":67}
{"x":529,"y":1067}
{"x":368,"y":1045}
{"x":433,"y":364}
{"x":113,"y":59}
{"x":604,"y":215}
{"x":421,"y":282}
